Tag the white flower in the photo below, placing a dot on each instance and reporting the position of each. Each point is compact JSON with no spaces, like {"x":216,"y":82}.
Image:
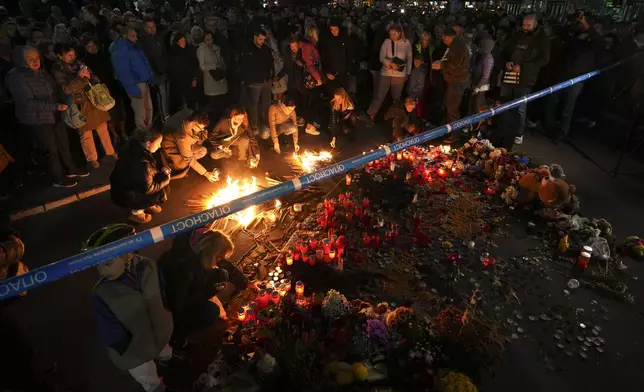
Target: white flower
{"x":266,"y":364}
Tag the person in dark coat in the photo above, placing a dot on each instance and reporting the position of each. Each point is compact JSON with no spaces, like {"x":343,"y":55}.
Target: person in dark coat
{"x":257,"y":72}
{"x":197,"y":275}
{"x":98,"y":60}
{"x":139,"y":181}
{"x":522,"y":58}
{"x":153,"y":44}
{"x":294,"y":69}
{"x":335,"y":55}
{"x":36,"y":104}
{"x":183,"y":70}
{"x":456,"y":71}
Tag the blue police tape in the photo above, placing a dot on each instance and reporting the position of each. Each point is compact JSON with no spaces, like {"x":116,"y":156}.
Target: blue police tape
{"x":60,"y":269}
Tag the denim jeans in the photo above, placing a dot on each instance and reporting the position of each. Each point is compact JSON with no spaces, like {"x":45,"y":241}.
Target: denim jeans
{"x":385,"y":83}
{"x":510,"y":92}
{"x":258,"y":98}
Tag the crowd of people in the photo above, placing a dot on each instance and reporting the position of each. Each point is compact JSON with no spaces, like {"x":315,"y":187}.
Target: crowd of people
{"x":159,"y":60}
{"x":164,"y":86}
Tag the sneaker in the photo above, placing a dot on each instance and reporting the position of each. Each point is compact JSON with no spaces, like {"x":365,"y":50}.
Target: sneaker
{"x":140,"y":218}
{"x":78,"y":173}
{"x":518,"y":140}
{"x":301,"y":122}
{"x":94,"y":164}
{"x":311,"y":130}
{"x":65,"y":183}
{"x":155,"y":209}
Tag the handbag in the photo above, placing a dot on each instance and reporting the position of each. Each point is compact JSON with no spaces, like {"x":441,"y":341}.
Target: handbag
{"x":217,"y":74}
{"x":400,"y":63}
{"x":100,"y":97}
{"x":72,"y":116}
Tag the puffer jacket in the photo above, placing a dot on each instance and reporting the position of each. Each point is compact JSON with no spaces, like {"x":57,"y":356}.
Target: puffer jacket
{"x":32,"y":92}
{"x":130,"y":65}
{"x":137,"y":180}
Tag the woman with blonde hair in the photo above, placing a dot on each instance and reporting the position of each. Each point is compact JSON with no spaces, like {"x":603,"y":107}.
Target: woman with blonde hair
{"x":342,"y":115}
{"x":198,"y":277}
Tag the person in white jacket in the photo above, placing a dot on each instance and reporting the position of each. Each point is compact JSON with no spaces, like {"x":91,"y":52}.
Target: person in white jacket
{"x":213,"y":67}
{"x":396,"y":58}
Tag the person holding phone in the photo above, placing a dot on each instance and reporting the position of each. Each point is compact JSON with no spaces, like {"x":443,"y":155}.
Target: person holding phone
{"x":396,"y":57}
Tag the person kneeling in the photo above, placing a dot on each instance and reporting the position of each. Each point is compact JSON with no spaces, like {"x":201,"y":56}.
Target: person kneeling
{"x":234,"y":131}
{"x":342,"y":115}
{"x":405,"y":121}
{"x":182,"y":144}
{"x":133,"y":322}
{"x":282,"y":120}
{"x":139,"y":181}
{"x":197,"y":280}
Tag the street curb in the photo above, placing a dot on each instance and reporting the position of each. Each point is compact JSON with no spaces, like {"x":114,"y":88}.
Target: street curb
{"x":59,"y":203}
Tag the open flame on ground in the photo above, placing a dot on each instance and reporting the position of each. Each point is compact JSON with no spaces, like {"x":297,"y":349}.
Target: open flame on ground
{"x":235,"y":189}
{"x":310,"y":160}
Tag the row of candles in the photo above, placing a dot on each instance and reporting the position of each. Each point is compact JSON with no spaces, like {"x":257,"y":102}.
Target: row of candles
{"x":265,"y":297}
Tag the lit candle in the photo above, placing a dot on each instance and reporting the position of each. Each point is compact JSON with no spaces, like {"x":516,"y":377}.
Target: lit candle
{"x":326,"y":245}
{"x":297,"y":256}
{"x":241,"y":315}
{"x":305,"y":248}
{"x":289,"y":259}
{"x":332,"y":254}
{"x":245,"y":305}
{"x":287,"y":285}
{"x":347,"y":178}
{"x":305,"y":257}
{"x":313,"y":244}
{"x":392,"y":166}
{"x":297,"y":207}
{"x":262,"y":299}
{"x":366,"y":240}
{"x":341,"y":197}
{"x":275,"y":297}
{"x":442,"y":172}
{"x":312,"y":258}
{"x":299,"y":288}
{"x":282,"y":290}
{"x":399,"y":156}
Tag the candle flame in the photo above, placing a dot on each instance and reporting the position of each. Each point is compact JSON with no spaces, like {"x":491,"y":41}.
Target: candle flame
{"x":235,"y":189}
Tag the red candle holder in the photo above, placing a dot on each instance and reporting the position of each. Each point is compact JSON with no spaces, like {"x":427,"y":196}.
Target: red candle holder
{"x":341,"y":197}
{"x":365,"y":203}
{"x":305,"y":257}
{"x":357,"y":213}
{"x":296,"y":256}
{"x":375,"y":241}
{"x":313,"y":244}
{"x":418,"y":219}
{"x":319,"y":254}
{"x":304,"y":248}
{"x":349,"y":216}
{"x":334,"y":239}
{"x":347,"y":179}
{"x":366,"y":240}
{"x":326,"y":246}
{"x":312,"y":257}
{"x":453,"y":257}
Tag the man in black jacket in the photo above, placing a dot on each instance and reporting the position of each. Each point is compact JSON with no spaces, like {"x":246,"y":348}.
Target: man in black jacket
{"x":257,"y":73}
{"x":335,"y":56}
{"x":524,"y":55}
{"x":153,"y":44}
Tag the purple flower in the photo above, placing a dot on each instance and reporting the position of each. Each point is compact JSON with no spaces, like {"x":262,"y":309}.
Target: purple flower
{"x":377,"y":332}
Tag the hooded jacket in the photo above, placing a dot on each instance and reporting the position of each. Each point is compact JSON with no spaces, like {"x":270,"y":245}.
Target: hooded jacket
{"x":483,"y":64}
{"x":136,"y":179}
{"x":531,"y":51}
{"x":33,"y":92}
{"x":131,"y":66}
